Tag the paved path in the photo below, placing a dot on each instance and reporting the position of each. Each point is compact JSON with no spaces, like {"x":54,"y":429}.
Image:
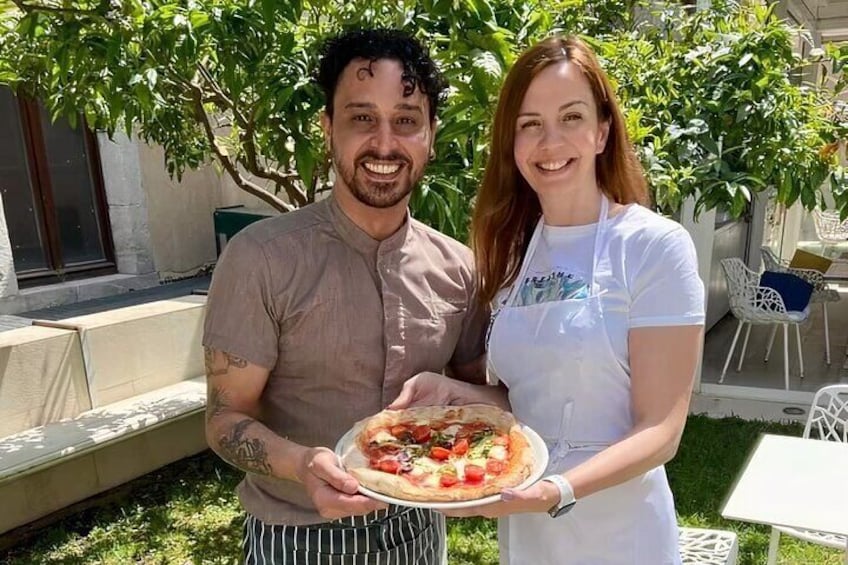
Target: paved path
{"x":197,"y":285}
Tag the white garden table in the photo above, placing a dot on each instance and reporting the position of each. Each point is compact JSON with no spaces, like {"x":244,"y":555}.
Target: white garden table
{"x":794,"y":482}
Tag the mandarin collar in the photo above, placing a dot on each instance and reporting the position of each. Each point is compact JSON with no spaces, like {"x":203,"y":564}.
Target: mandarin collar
{"x":356,"y":237}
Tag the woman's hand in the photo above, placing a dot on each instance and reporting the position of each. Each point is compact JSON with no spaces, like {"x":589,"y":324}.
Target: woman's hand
{"x":433,"y":389}
{"x":539,"y":497}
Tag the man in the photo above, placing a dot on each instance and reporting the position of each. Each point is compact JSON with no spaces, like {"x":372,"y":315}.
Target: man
{"x":316,"y":318}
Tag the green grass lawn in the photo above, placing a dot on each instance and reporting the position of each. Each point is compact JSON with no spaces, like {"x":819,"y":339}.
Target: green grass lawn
{"x":187,"y":512}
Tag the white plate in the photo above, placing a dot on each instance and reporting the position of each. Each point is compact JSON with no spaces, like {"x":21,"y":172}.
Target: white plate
{"x":540,"y":456}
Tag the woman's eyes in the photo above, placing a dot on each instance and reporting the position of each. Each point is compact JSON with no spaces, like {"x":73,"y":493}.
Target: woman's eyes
{"x":573,"y":117}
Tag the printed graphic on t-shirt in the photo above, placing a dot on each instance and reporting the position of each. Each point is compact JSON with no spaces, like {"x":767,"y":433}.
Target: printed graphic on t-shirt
{"x":536,"y":289}
{"x":558,"y":285}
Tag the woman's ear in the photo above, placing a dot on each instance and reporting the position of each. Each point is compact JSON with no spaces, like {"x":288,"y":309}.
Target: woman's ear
{"x":603,"y":135}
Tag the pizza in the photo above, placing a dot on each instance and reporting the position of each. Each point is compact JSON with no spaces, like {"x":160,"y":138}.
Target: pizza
{"x":439,"y":453}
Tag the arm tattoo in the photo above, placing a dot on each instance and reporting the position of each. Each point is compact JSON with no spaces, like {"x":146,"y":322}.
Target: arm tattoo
{"x":246,"y":453}
{"x":209,"y":361}
{"x":236,"y":362}
{"x":216,"y":403}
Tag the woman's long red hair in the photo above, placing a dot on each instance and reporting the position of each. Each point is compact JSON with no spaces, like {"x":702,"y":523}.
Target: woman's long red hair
{"x":507,"y":209}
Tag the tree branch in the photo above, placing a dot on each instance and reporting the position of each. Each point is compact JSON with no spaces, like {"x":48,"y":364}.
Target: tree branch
{"x":248,"y":125}
{"x":251,"y":163}
{"x":54,"y":9}
{"x":220,"y":97}
{"x":228,"y":164}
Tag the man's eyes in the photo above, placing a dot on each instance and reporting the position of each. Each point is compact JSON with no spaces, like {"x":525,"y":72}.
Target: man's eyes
{"x":403,"y":121}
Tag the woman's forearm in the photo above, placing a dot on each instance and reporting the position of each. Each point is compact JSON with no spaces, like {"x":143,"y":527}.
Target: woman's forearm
{"x":638,"y":453}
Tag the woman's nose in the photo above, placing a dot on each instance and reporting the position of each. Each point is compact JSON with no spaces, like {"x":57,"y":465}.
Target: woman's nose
{"x":551,"y":137}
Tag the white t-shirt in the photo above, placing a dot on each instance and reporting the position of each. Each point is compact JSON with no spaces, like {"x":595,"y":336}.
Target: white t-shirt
{"x":647,"y":272}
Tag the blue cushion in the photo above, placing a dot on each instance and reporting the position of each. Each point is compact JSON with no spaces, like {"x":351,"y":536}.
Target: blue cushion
{"x":794,"y":290}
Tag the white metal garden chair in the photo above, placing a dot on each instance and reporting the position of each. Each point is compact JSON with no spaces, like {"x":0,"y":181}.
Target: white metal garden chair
{"x":755,"y":304}
{"x":830,"y":229}
{"x":827,"y":421}
{"x":700,"y":546}
{"x":822,"y":292}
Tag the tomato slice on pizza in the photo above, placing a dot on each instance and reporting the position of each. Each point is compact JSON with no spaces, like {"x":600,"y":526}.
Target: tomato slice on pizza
{"x":440,"y":454}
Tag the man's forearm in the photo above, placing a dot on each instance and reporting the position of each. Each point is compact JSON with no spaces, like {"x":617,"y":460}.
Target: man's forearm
{"x":246,"y":443}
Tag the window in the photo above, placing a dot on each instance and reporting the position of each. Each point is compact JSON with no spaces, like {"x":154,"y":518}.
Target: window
{"x":53,"y":195}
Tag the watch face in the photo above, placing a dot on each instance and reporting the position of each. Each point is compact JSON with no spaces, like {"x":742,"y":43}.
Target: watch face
{"x":556,"y":512}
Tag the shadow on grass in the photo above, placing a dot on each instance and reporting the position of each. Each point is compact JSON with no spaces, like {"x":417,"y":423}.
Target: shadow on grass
{"x":187,"y":512}
{"x":190,"y":504}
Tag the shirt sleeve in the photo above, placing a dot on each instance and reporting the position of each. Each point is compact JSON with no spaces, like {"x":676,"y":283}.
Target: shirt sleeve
{"x":472,"y":341}
{"x":240,"y":317}
{"x":666,"y":289}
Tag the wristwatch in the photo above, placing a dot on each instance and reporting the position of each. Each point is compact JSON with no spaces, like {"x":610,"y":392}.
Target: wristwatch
{"x":566,"y":495}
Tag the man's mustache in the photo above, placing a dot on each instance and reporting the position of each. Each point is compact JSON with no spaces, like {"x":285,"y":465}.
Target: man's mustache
{"x":370,"y":156}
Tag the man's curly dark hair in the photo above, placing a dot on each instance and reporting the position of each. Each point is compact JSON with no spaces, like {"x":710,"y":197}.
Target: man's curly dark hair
{"x":419,"y":70}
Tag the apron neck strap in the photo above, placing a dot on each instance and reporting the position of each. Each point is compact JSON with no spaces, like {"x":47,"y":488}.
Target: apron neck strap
{"x":603,"y":219}
{"x":534,"y":241}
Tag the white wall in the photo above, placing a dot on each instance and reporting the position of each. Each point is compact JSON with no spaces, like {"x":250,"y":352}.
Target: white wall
{"x":8,"y":280}
{"x":702,"y":230}
{"x":180,"y":213}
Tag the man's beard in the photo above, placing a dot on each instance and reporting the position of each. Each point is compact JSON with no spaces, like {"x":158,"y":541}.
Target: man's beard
{"x":378,"y":194}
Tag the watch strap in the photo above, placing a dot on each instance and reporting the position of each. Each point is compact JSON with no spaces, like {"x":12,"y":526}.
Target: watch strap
{"x":566,"y":495}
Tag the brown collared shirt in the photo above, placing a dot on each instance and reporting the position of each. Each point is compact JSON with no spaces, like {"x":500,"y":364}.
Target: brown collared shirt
{"x":341,"y":321}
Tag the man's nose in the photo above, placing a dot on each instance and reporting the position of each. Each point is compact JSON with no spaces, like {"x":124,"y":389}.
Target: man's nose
{"x":383,"y":139}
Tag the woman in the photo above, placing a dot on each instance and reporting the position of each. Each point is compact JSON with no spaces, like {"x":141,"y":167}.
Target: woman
{"x":597,"y":323}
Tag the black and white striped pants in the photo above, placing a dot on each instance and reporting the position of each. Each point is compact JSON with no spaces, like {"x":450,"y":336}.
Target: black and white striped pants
{"x":395,"y":536}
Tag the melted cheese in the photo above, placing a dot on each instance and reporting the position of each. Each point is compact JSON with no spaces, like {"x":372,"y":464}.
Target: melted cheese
{"x":459,"y":465}
{"x":417,"y":472}
{"x":452,"y":430}
{"x":383,"y":437}
{"x":427,"y":464}
{"x":498,"y":452}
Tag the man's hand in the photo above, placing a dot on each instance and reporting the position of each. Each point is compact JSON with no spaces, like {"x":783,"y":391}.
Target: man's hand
{"x":539,"y":497}
{"x":426,"y":389}
{"x":331,"y":489}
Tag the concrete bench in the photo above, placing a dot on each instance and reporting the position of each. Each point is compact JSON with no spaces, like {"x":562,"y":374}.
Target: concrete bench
{"x":42,"y":378}
{"x":140,"y":395}
{"x":708,"y":547}
{"x":137,"y":349}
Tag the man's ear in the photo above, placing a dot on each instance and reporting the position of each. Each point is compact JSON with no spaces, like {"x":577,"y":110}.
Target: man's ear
{"x":603,"y":135}
{"x":327,"y":128}
{"x":434,"y":128}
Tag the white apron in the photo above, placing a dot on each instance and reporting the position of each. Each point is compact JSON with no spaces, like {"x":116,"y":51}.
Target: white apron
{"x":566,"y":383}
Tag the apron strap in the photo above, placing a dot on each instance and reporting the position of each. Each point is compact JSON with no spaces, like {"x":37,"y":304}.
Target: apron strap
{"x":603,"y":219}
{"x":525,"y":263}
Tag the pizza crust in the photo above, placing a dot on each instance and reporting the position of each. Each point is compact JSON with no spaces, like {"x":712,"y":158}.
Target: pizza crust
{"x":518,"y":467}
